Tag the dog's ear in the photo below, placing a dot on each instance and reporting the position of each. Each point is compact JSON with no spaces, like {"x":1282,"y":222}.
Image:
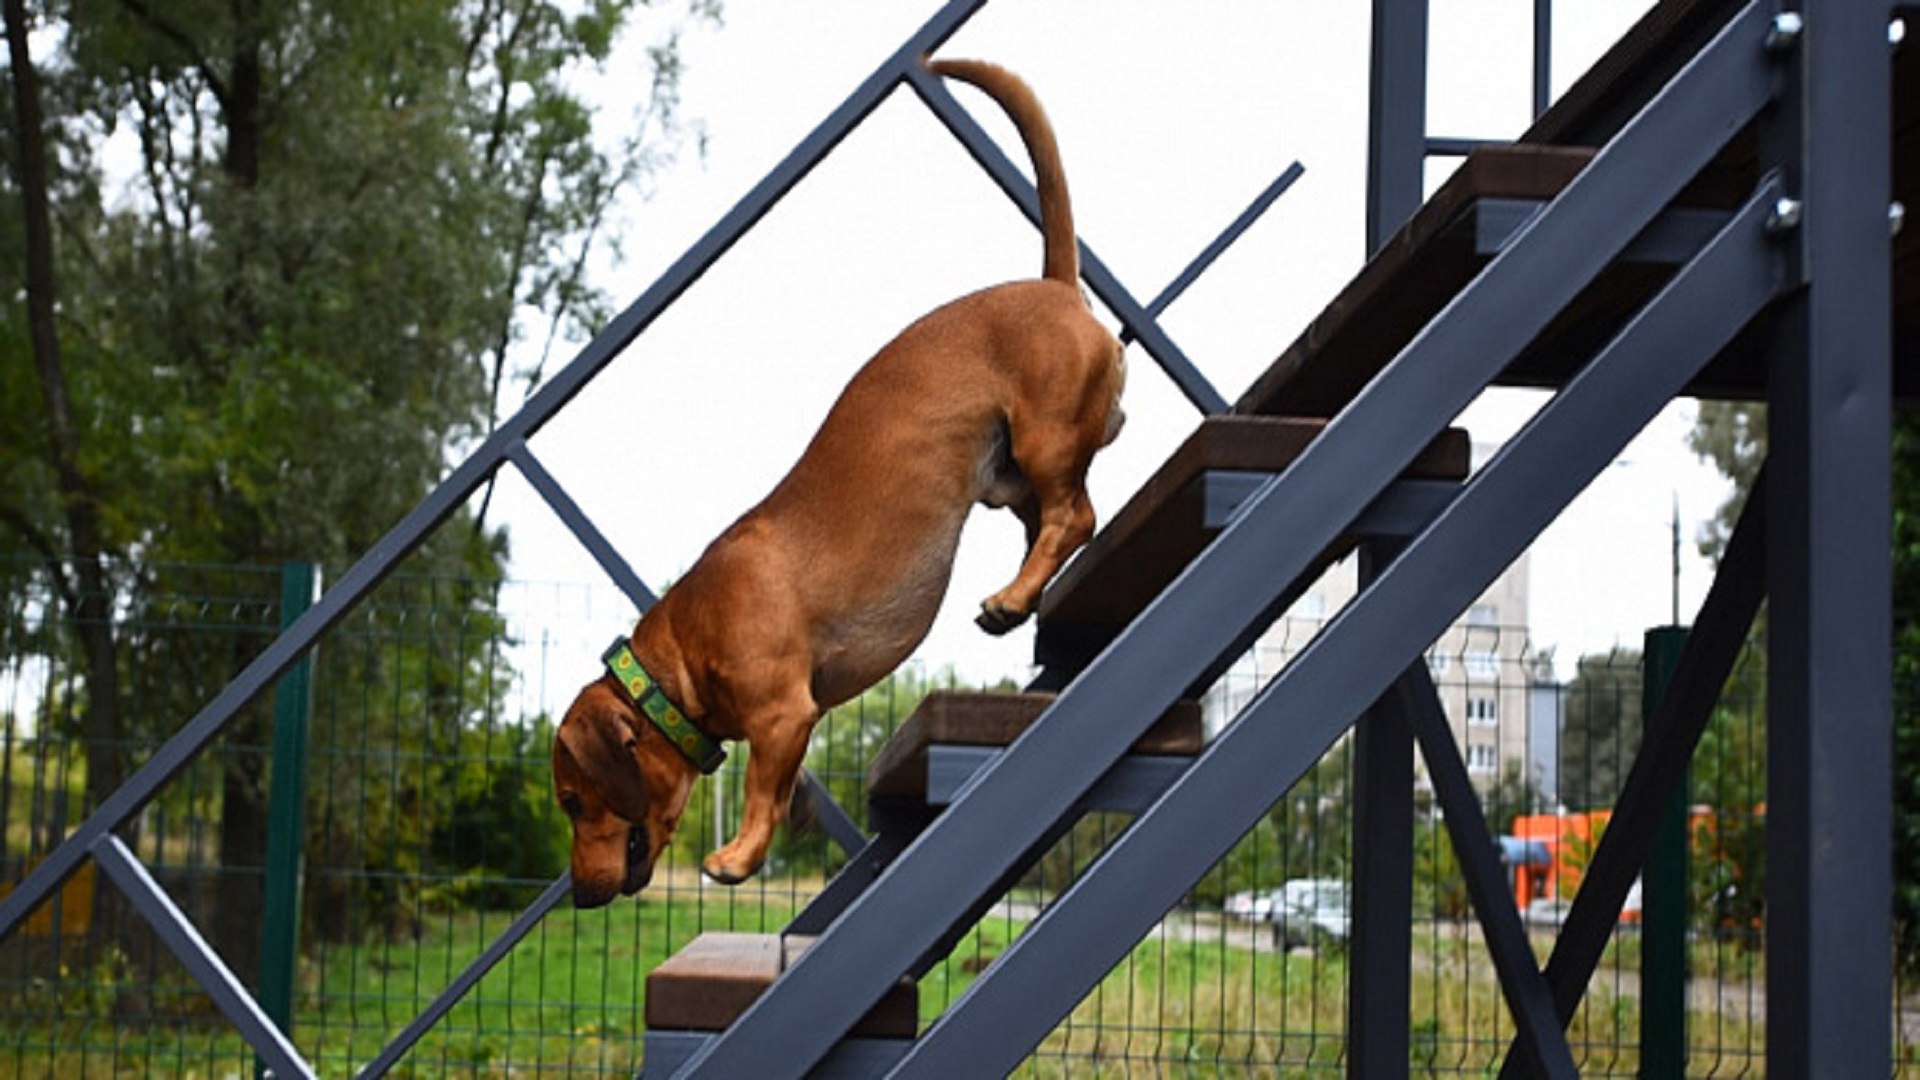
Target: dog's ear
{"x":601,"y":742}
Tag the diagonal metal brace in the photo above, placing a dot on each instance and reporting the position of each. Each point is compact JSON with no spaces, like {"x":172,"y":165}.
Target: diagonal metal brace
{"x":1541,"y":1041}
{"x":174,"y":929}
{"x":1101,"y":280}
{"x":1659,"y":769}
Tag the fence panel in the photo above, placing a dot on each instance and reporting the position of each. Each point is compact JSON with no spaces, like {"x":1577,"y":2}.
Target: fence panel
{"x":429,"y":823}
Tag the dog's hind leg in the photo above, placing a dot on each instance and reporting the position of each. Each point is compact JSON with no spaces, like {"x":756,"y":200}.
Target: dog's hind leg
{"x":1059,"y":519}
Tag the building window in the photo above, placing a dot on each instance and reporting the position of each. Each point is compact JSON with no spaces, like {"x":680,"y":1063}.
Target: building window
{"x":1439,"y":662}
{"x":1482,"y":665}
{"x":1483,"y":710}
{"x":1482,"y":759}
{"x":1483,"y":615}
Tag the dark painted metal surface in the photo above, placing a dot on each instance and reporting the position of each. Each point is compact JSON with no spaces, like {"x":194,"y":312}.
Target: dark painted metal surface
{"x":177,"y":932}
{"x":1140,"y":324}
{"x":583,"y":529}
{"x":1542,"y":1043}
{"x":1380,"y":942}
{"x":1396,"y":117}
{"x":522,"y":924}
{"x":286,"y":813}
{"x":1829,"y":707}
{"x":1186,"y":277}
{"x":1143,"y":873}
{"x":1663,"y":893}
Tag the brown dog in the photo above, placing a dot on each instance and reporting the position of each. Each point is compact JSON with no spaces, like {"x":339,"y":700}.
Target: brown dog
{"x":1002,"y":398}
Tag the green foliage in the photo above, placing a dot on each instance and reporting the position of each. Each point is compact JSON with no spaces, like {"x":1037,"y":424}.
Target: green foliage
{"x":503,"y":826}
{"x":1906,"y":687}
{"x":1728,"y":861}
{"x":1602,"y":728}
{"x":304,"y":278}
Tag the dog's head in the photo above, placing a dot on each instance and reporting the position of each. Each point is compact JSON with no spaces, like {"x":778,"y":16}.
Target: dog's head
{"x":622,"y":787}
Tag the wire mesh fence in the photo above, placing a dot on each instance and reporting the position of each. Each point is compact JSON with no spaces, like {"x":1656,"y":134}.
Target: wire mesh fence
{"x":429,"y":822}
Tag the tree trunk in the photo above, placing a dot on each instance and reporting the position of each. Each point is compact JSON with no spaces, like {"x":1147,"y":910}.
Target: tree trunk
{"x":90,"y":602}
{"x":239,"y":897}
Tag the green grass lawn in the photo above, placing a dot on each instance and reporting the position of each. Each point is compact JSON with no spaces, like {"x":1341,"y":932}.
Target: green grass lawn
{"x":1205,"y":994}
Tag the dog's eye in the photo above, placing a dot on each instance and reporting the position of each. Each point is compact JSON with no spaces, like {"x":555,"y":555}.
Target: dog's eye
{"x":571,"y":804}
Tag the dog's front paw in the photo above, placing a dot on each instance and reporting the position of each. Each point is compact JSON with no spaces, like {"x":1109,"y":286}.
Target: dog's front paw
{"x":721,"y":871}
{"x":997,"y":618}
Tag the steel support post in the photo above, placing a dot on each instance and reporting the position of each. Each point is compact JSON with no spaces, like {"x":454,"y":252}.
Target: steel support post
{"x":286,"y":814}
{"x":1396,"y":117}
{"x":1663,"y":904}
{"x":1829,"y":700}
{"x":1381,"y":939}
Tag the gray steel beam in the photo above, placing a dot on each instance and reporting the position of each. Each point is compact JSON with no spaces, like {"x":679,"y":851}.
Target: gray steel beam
{"x":937,"y":880}
{"x":177,"y":932}
{"x":1829,"y":707}
{"x":1143,"y":873}
{"x":580,"y":525}
{"x":1186,"y":277}
{"x":1396,"y":117}
{"x":432,"y":511}
{"x":1380,"y":941}
{"x":1140,"y":324}
{"x":522,"y":924}
{"x":1542,"y":1043}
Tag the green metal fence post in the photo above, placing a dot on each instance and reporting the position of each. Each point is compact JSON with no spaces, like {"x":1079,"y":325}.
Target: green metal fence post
{"x":286,"y":808}
{"x":1663,"y":896}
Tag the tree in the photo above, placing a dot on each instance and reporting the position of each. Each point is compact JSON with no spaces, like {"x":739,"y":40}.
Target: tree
{"x":341,"y":218}
{"x":1602,"y":729}
{"x":1733,"y":436}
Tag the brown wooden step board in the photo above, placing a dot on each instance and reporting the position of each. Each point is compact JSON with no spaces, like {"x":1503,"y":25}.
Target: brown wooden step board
{"x":976,"y":725}
{"x":1440,"y":250}
{"x":708,"y":984}
{"x":1174,"y":515}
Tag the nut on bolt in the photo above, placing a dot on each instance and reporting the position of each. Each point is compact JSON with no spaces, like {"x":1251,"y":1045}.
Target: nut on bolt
{"x":1785,"y":215}
{"x":1896,"y":217}
{"x":1784,"y":32}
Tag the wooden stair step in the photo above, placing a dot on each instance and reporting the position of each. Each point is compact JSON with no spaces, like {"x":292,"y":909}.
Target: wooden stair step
{"x":967,"y":719}
{"x":1441,"y":249}
{"x":1166,"y":524}
{"x":708,"y":984}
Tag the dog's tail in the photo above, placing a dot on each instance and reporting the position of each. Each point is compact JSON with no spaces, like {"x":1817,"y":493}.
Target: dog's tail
{"x":1061,"y":253}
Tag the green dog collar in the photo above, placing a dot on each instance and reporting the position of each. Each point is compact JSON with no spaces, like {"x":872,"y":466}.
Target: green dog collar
{"x":647,"y":696}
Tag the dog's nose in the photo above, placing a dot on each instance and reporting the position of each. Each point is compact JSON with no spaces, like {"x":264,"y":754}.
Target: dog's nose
{"x":589,"y":895}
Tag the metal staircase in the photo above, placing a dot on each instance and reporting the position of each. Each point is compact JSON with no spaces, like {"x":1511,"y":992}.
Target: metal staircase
{"x":1782,"y":280}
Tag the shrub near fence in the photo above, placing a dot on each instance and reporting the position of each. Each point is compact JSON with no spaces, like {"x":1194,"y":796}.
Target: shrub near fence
{"x":429,"y":822}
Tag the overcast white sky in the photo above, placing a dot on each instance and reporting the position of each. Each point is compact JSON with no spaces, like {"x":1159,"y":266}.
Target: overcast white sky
{"x":1170,"y":118}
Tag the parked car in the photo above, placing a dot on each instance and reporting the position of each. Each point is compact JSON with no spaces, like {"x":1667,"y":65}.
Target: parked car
{"x":1310,"y":911}
{"x":1254,"y":904}
{"x":1546,"y":911}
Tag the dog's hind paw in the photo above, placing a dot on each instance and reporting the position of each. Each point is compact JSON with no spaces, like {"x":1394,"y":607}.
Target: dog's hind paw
{"x":998,"y":619}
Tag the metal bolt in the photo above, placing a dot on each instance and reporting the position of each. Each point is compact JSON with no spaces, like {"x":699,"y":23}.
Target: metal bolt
{"x":1896,"y":217}
{"x":1785,"y":215}
{"x":1896,"y":32}
{"x":1784,"y":32}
